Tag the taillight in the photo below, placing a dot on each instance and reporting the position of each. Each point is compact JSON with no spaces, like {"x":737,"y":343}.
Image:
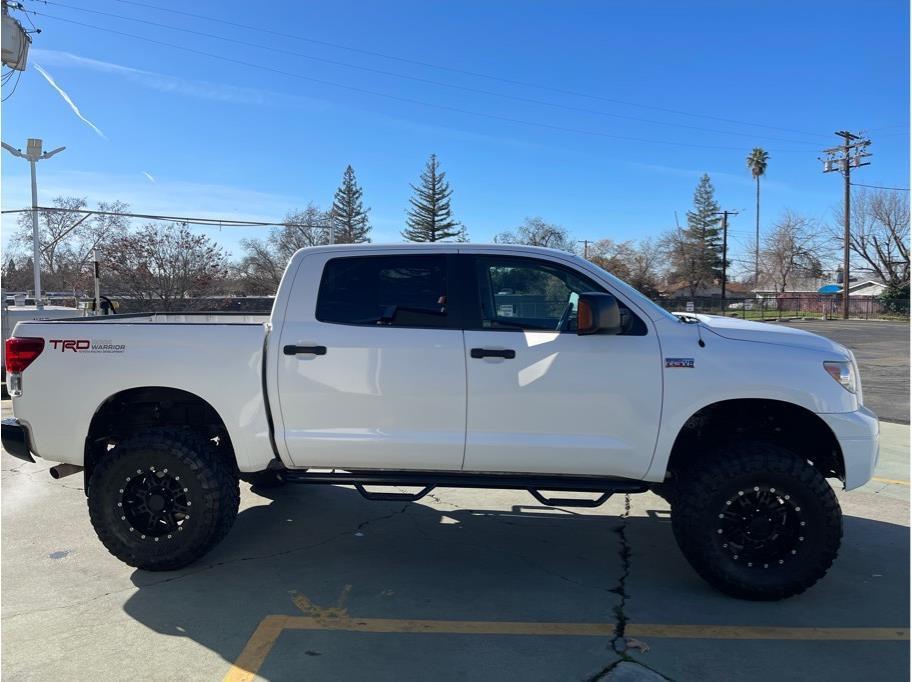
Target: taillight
{"x":21,"y":352}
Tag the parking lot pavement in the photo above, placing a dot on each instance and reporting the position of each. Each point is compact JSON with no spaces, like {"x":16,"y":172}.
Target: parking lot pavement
{"x":882,"y":351}
{"x":317,"y":583}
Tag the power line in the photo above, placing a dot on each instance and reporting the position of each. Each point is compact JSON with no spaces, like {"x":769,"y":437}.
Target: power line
{"x":207,"y":222}
{"x":429,"y":81}
{"x":476,"y":74}
{"x":895,"y":189}
{"x":408,"y":100}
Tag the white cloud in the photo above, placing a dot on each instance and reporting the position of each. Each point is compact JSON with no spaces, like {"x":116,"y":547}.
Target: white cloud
{"x":68,"y":100}
{"x":149,"y":175}
{"x":695,"y":174}
{"x":170,"y":84}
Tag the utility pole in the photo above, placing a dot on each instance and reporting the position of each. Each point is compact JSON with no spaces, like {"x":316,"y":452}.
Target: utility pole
{"x":724,"y":215}
{"x":96,"y":276}
{"x":33,"y":154}
{"x":843,"y":159}
{"x":585,"y":243}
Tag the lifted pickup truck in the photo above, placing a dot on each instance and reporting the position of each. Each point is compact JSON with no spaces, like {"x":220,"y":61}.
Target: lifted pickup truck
{"x":452,"y":365}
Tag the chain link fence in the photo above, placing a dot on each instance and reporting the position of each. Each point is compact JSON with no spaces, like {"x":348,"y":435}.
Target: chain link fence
{"x":784,"y":306}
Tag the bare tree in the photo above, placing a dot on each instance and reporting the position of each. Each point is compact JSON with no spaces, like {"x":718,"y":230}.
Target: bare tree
{"x":166,"y":263}
{"x":637,"y":263}
{"x":67,"y":237}
{"x":879,"y":235}
{"x":264,"y":260}
{"x":791,"y":253}
{"x":537,"y":232}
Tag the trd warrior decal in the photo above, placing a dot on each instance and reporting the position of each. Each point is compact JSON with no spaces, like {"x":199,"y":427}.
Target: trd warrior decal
{"x":87,"y":346}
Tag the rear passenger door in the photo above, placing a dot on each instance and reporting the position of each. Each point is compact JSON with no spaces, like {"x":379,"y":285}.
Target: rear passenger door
{"x":373,"y":371}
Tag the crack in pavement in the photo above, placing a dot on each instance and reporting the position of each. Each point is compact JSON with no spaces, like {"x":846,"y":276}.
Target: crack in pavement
{"x":619,"y":643}
{"x":620,"y":614}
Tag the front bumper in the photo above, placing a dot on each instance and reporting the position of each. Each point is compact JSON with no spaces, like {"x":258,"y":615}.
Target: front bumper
{"x":858,"y":434}
{"x":15,"y":439}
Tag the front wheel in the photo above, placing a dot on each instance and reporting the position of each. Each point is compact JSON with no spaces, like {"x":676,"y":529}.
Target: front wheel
{"x":757,"y":521}
{"x":162,"y":498}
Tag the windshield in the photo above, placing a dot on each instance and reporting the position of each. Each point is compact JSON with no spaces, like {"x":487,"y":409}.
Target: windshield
{"x":630,"y":292}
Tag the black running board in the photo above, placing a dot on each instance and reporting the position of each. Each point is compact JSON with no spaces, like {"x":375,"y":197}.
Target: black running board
{"x":428,"y":480}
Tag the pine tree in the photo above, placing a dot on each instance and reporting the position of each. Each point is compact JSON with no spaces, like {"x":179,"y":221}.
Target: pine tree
{"x":703,"y":238}
{"x":430,"y":218}
{"x":348,"y":216}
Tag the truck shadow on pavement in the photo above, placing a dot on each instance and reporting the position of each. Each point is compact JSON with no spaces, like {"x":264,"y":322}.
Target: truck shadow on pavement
{"x":326,"y":546}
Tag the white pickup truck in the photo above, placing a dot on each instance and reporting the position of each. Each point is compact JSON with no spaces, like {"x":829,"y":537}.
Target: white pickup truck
{"x":452,"y":365}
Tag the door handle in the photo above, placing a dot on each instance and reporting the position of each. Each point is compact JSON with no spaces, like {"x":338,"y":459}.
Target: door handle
{"x":506,"y":353}
{"x":298,"y":350}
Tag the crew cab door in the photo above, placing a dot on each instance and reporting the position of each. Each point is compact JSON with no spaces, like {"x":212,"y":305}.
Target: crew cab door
{"x":543,"y":399}
{"x":372,"y":371}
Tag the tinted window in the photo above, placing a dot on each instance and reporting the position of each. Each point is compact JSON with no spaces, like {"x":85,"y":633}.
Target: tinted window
{"x":398,"y":291}
{"x":524,"y":293}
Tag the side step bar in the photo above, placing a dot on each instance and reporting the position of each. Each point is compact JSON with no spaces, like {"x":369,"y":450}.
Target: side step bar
{"x":428,"y":480}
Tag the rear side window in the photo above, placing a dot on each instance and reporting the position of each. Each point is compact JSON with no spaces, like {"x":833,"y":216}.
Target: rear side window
{"x":394,"y":291}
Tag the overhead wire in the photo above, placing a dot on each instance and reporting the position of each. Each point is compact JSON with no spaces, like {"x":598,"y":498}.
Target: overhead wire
{"x":203,"y":222}
{"x":398,"y":98}
{"x":894,"y":189}
{"x":429,"y":81}
{"x":476,"y":74}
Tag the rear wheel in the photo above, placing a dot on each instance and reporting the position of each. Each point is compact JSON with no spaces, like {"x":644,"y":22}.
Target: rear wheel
{"x":757,"y":521}
{"x":162,"y":498}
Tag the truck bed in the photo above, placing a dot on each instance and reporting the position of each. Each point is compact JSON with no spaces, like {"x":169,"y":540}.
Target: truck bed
{"x":216,"y":357}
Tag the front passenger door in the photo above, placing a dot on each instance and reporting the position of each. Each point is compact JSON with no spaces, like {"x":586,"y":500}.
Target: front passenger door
{"x":542,"y":399}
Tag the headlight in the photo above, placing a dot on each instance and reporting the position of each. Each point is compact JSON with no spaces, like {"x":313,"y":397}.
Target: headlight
{"x":843,"y":372}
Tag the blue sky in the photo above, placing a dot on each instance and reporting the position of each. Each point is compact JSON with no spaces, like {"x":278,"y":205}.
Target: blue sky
{"x":273,"y":127}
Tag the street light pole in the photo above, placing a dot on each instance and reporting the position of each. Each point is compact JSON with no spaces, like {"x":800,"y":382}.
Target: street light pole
{"x":33,"y":155}
{"x":36,"y":248}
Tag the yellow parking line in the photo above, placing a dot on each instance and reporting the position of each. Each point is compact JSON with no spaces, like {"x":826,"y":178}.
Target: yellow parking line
{"x":268,"y":631}
{"x":257,"y":649}
{"x":889,"y":480}
{"x":336,"y":617}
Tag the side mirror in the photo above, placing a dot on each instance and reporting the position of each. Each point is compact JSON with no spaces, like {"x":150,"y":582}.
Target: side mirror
{"x":598,"y":313}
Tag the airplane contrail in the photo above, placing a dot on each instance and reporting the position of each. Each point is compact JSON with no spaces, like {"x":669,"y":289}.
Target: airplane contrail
{"x":68,"y":100}
{"x":149,"y":175}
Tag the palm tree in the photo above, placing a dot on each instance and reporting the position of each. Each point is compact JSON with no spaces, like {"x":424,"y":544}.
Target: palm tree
{"x":757,"y":161}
